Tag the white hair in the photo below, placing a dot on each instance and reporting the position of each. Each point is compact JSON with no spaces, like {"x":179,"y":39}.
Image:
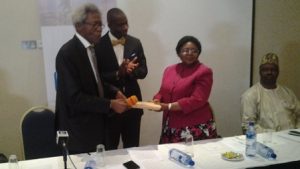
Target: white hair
{"x":80,"y":14}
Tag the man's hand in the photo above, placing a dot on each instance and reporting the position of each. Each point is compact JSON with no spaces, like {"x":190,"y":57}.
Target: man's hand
{"x":133,"y":64}
{"x":127,"y":67}
{"x":118,"y":105}
{"x":120,"y":95}
{"x":123,"y":68}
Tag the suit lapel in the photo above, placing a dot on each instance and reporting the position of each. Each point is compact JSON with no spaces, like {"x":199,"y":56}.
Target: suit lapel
{"x":84,"y":59}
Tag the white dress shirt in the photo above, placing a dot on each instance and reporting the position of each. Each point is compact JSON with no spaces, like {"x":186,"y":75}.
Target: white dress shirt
{"x":119,"y":49}
{"x":87,"y":45}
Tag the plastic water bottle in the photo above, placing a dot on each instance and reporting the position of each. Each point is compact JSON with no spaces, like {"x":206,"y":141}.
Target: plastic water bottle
{"x":90,"y":164}
{"x":251,"y":140}
{"x":265,"y":151}
{"x":181,"y":157}
{"x":189,"y":142}
{"x":13,"y":162}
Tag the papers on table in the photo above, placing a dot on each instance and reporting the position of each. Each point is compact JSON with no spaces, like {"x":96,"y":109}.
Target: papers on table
{"x":286,"y":135}
{"x":145,"y":158}
{"x":143,"y":155}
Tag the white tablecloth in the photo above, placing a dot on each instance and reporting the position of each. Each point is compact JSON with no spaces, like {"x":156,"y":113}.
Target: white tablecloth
{"x":207,"y":155}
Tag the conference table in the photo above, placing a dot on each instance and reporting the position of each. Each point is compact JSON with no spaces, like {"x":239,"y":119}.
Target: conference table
{"x":207,"y":155}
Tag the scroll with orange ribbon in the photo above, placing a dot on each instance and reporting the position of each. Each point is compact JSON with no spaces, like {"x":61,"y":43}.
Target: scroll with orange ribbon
{"x":133,"y":102}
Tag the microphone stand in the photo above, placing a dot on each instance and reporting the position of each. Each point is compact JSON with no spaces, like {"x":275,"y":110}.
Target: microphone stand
{"x":61,"y":139}
{"x":65,"y":153}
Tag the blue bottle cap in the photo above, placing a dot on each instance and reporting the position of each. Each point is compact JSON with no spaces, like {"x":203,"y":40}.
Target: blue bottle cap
{"x":273,"y":155}
{"x":191,"y":163}
{"x":251,"y":123}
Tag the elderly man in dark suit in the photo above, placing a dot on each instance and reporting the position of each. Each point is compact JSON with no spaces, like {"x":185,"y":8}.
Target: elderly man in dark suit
{"x":122,"y":62}
{"x":80,"y":102}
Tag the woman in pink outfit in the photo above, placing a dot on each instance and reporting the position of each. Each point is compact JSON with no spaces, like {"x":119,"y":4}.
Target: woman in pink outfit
{"x":184,"y":94}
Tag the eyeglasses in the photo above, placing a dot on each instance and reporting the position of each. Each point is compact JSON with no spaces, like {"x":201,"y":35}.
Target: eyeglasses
{"x":95,"y":25}
{"x":189,"y":50}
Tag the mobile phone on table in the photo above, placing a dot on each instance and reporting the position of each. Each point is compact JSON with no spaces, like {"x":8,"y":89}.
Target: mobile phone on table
{"x":294,"y":132}
{"x":131,"y":165}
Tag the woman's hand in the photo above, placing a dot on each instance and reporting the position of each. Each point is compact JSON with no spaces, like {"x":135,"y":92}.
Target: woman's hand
{"x":156,"y":101}
{"x":168,"y":106}
{"x":164,"y":106}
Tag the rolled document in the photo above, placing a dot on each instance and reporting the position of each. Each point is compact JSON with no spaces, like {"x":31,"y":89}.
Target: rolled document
{"x":133,"y":102}
{"x":146,"y":105}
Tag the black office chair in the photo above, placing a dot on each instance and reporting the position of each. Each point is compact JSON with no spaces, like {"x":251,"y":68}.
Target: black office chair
{"x":38,"y":133}
{"x":3,"y":158}
{"x":55,"y":80}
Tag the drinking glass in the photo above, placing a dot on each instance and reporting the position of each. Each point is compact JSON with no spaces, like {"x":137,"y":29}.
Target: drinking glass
{"x":100,"y":154}
{"x":189,"y":143}
{"x":267,"y":136}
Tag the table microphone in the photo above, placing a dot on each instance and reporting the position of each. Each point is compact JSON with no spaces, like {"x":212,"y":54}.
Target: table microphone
{"x":62,"y":139}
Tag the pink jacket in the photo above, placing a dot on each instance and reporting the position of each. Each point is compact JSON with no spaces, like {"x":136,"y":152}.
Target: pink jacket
{"x":190,"y":86}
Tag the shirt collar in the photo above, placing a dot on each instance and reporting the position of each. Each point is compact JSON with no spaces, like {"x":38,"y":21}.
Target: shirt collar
{"x":111,"y":36}
{"x":85,"y":43}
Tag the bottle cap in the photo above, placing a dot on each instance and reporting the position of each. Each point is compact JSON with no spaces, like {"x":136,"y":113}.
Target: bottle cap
{"x":273,"y":155}
{"x":191,"y":163}
{"x":251,"y":123}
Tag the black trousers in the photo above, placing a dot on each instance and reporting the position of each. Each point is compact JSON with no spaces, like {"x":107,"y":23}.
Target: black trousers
{"x":126,"y":126}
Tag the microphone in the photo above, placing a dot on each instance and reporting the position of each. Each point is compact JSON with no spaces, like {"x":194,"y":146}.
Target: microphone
{"x":61,"y":139}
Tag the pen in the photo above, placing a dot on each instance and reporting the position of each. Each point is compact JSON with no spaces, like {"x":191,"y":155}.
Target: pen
{"x":133,"y":54}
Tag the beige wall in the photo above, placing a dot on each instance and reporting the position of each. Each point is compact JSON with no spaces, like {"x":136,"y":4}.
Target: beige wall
{"x":22,"y":81}
{"x":277,"y":29}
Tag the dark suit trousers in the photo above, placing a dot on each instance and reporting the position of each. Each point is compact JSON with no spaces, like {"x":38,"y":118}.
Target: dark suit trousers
{"x":126,"y":125}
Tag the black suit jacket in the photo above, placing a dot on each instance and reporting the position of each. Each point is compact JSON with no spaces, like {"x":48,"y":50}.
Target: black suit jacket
{"x":109,"y":65}
{"x":79,"y":109}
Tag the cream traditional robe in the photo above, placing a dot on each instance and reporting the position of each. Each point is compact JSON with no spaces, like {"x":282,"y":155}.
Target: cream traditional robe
{"x":276,"y":109}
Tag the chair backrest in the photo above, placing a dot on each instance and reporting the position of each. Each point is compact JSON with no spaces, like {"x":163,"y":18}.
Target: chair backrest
{"x":38,"y":133}
{"x":55,"y":80}
{"x":3,"y":158}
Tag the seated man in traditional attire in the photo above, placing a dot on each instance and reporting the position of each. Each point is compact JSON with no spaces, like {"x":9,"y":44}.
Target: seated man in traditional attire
{"x":269,"y":104}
